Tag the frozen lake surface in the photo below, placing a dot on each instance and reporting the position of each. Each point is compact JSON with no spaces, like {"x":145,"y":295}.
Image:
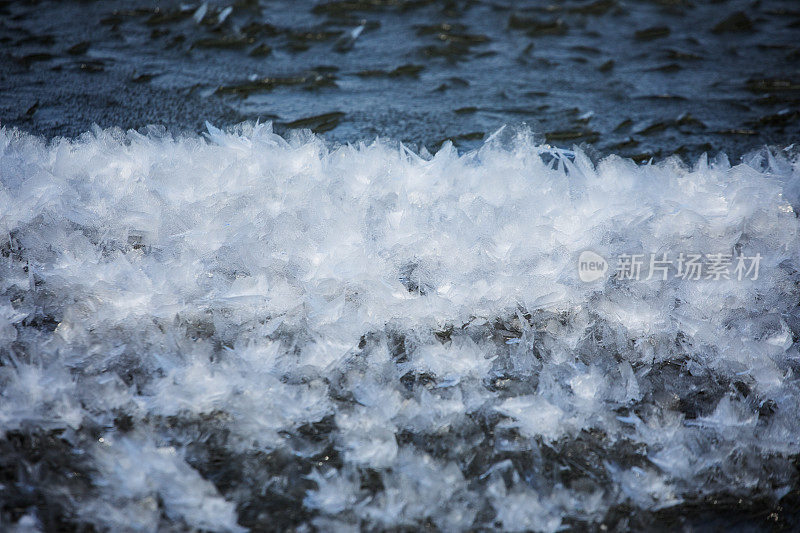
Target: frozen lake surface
{"x":631,"y":78}
{"x":262,"y":328}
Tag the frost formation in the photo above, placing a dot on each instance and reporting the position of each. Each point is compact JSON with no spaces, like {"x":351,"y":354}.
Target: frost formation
{"x":241,"y":331}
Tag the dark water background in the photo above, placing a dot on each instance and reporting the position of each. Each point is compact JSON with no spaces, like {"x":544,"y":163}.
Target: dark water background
{"x":638,"y":78}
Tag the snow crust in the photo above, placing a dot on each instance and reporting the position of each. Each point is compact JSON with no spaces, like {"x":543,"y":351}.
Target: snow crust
{"x":376,"y":338}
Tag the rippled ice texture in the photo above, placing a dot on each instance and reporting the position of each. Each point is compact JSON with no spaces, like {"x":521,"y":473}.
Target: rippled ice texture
{"x":243,"y":331}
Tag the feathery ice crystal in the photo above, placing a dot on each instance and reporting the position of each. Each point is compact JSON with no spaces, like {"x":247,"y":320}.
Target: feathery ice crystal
{"x":244,"y":331}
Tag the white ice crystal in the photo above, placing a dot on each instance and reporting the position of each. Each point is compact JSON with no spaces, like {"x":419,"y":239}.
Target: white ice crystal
{"x":134,"y":475}
{"x":243,"y":331}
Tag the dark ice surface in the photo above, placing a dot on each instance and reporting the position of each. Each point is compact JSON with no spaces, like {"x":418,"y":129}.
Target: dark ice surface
{"x":637,"y":78}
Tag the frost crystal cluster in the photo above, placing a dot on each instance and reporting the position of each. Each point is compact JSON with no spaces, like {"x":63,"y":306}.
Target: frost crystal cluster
{"x":241,"y":331}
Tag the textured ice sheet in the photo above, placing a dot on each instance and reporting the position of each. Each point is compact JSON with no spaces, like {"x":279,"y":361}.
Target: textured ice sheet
{"x":245,"y":331}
